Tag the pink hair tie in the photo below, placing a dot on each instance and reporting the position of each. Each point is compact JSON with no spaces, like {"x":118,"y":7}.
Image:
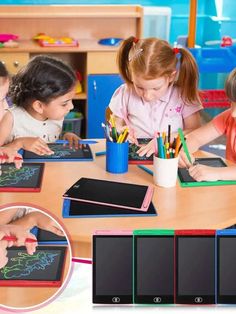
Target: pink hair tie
{"x":135,"y":40}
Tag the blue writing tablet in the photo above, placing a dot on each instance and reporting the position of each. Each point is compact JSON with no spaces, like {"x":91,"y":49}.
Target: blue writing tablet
{"x":226,"y":266}
{"x":62,"y":152}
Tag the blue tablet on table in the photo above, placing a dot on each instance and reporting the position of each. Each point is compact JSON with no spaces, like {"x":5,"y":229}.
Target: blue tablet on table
{"x":78,"y":209}
{"x":62,"y":152}
{"x":226,"y":266}
{"x":47,"y":237}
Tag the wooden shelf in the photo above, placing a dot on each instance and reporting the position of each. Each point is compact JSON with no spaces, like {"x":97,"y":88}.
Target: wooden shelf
{"x":85,"y":23}
{"x":71,"y":11}
{"x":80,"y":96}
{"x":85,"y":45}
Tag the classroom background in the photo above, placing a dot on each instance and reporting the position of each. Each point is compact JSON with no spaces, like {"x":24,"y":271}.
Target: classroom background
{"x":167,"y":19}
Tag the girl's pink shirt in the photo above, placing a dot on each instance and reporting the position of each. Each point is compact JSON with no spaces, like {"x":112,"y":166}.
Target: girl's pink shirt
{"x":226,"y":124}
{"x":145,"y":118}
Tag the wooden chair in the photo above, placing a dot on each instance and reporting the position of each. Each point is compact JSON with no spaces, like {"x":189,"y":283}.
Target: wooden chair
{"x":108,"y":113}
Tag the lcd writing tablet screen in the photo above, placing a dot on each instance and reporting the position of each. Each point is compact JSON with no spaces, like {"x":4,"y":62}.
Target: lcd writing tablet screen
{"x":227,"y":266}
{"x":196,"y":270}
{"x":81,"y":209}
{"x":211,"y":162}
{"x":112,"y":275}
{"x":44,"y":235}
{"x":134,"y":157}
{"x":108,"y":192}
{"x":29,"y":176}
{"x":46,"y":264}
{"x":62,"y":152}
{"x":155,"y":266}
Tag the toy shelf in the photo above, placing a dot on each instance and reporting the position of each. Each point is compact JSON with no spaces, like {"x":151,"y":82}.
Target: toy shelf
{"x":85,"y":23}
{"x":214,"y":99}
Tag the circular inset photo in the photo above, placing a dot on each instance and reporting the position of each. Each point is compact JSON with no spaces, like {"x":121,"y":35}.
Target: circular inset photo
{"x":35,"y":257}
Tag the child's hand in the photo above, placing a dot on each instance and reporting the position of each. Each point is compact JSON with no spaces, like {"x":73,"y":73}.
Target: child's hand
{"x":36,"y":145}
{"x":11,"y":154}
{"x":183,"y":160}
{"x":3,"y":252}
{"x":203,"y":173}
{"x":148,"y":149}
{"x":73,"y":140}
{"x":42,"y":221}
{"x":21,"y":234}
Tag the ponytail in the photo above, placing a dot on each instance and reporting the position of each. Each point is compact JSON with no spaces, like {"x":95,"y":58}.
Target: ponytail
{"x":123,"y":58}
{"x":188,"y":77}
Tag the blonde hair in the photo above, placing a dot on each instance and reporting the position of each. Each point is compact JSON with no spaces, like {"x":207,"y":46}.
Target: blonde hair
{"x":153,"y":58}
{"x":230,"y":86}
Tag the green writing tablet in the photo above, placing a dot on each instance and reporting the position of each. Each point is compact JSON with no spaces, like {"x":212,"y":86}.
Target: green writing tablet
{"x":186,"y":180}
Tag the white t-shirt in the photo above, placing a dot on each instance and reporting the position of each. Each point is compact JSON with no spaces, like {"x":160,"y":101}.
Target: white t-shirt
{"x":24,"y":125}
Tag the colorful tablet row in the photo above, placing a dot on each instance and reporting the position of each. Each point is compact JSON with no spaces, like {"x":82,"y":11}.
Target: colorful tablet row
{"x":164,"y":267}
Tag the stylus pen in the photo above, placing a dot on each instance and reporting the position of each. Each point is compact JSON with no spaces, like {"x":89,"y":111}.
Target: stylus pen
{"x":149,"y":171}
{"x":6,"y":157}
{"x":87,"y":142}
{"x":100,"y":153}
{"x":14,"y":239}
{"x":185,"y":147}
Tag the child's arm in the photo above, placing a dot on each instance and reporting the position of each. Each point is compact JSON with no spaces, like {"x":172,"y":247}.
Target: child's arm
{"x":33,"y":144}
{"x":196,"y":139}
{"x":39,"y":220}
{"x":192,"y":122}
{"x":205,"y":173}
{"x":6,"y":125}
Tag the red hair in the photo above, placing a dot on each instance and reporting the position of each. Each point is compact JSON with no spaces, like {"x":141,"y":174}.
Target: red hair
{"x":152,"y":58}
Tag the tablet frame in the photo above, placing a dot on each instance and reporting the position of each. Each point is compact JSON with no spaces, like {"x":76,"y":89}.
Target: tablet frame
{"x":151,"y":299}
{"x":191,"y":299}
{"x":205,"y":183}
{"x":26,"y":189}
{"x":45,"y":159}
{"x":145,"y":204}
{"x":109,"y":299}
{"x":40,"y":283}
{"x":67,"y":214}
{"x":223,"y":299}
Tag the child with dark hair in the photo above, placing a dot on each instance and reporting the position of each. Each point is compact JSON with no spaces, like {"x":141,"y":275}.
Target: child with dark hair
{"x":222,"y":124}
{"x":161,"y":89}
{"x":42,"y":93}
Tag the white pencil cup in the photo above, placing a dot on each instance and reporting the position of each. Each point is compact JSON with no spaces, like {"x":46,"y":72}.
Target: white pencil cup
{"x":165,"y":171}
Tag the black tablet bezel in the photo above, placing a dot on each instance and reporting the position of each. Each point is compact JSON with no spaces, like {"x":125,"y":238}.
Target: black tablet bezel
{"x":223,"y":299}
{"x":192,"y":299}
{"x":109,"y":299}
{"x":28,"y":188}
{"x":150,"y":299}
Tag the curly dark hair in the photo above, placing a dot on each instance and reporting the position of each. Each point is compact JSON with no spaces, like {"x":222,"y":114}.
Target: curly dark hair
{"x":3,"y":70}
{"x":44,"y":78}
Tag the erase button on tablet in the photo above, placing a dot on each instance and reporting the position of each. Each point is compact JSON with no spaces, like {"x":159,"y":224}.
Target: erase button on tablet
{"x":157,"y":300}
{"x":116,"y":300}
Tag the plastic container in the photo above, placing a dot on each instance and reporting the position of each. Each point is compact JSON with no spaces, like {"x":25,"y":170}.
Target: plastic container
{"x":72,"y":122}
{"x":214,"y":98}
{"x":117,"y":157}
